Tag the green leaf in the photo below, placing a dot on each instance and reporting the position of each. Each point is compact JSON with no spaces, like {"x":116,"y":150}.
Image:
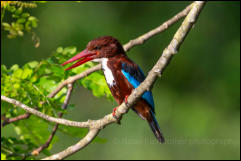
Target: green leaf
{"x":27,"y":26}
{"x":31,"y":83}
{"x":3,"y":69}
{"x":26,"y":73}
{"x":18,"y":73}
{"x":11,"y":8}
{"x":21,"y":20}
{"x":20,"y":33}
{"x":33,"y":21}
{"x":6,"y":25}
{"x":12,"y":145}
{"x":59,"y":50}
{"x":25,"y":14}
{"x":34,"y":24}
{"x":15,"y":16}
{"x":69,"y":50}
{"x":57,"y":70}
{"x":32,"y":18}
{"x":16,"y":86}
{"x":3,"y":156}
{"x":19,"y":11}
{"x":33,"y":64}
{"x":14,"y":67}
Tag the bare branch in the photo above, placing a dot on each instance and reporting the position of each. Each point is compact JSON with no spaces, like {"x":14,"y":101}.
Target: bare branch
{"x":7,"y":121}
{"x":72,"y":79}
{"x":88,"y":124}
{"x":165,"y":58}
{"x":74,"y":148}
{"x":141,"y":39}
{"x":96,"y":125}
{"x":153,"y":74}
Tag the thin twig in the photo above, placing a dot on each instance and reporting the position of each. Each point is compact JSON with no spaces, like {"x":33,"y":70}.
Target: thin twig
{"x":55,"y":128}
{"x":97,"y":125}
{"x":7,"y":121}
{"x":75,"y":148}
{"x":140,"y":40}
{"x":10,"y":153}
{"x":151,"y":78}
{"x":86,"y":124}
{"x":72,"y":79}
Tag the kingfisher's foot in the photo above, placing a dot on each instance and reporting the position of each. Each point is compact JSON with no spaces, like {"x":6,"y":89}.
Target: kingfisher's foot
{"x":126,"y":97}
{"x":114,"y":115}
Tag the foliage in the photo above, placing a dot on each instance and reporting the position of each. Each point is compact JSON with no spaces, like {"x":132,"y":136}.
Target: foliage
{"x":21,"y":21}
{"x":31,"y":83}
{"x":13,"y":148}
{"x":197,"y":98}
{"x":94,"y":82}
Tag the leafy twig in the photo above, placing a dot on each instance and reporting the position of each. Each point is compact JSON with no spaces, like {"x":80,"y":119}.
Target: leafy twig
{"x":55,"y":128}
{"x":97,"y":125}
{"x":140,"y":40}
{"x":156,"y":71}
{"x":7,"y":121}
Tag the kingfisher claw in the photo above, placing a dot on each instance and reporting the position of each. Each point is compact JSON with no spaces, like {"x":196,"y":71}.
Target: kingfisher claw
{"x":126,"y":97}
{"x":122,"y":76}
{"x":113,"y":114}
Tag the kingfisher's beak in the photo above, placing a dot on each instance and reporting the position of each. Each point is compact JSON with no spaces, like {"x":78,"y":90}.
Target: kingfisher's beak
{"x":83,"y":57}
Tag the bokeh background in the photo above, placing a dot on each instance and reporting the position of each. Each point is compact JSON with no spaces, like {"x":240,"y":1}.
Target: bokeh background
{"x":197,"y":99}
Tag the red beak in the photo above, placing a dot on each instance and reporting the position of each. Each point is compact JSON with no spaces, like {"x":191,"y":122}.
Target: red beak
{"x":83,"y":56}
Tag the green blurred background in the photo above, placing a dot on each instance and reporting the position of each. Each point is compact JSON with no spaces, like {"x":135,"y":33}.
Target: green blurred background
{"x":197,"y":99}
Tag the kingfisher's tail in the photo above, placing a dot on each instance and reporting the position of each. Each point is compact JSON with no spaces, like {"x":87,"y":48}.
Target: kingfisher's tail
{"x":146,"y":113}
{"x":155,"y":127}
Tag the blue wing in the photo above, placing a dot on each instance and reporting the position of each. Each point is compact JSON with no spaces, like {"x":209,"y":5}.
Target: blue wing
{"x":135,"y":76}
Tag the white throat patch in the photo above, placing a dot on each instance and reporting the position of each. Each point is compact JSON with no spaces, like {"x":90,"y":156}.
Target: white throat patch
{"x":107,"y":72}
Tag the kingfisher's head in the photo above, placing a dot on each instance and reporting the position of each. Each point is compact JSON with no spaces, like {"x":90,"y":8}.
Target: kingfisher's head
{"x":102,"y":47}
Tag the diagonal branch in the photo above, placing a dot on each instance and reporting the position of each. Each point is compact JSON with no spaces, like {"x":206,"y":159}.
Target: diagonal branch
{"x":55,"y":128}
{"x":141,"y":39}
{"x":7,"y":121}
{"x":72,"y":79}
{"x":75,"y":148}
{"x":138,"y":41}
{"x":132,"y":43}
{"x":156,"y":71}
{"x":42,"y":115}
{"x":96,"y":125}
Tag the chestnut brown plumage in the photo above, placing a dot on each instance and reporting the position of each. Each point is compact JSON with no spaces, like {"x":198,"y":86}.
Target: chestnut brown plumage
{"x":122,"y":76}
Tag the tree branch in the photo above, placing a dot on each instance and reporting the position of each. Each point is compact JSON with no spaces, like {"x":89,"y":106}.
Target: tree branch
{"x":140,"y":40}
{"x":152,"y":76}
{"x":7,"y":121}
{"x":132,"y":43}
{"x":96,"y":125}
{"x":72,"y":79}
{"x":55,"y":128}
{"x":43,"y":116}
{"x":75,"y":148}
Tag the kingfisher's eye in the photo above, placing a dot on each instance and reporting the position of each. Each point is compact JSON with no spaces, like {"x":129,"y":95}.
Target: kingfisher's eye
{"x":97,"y":47}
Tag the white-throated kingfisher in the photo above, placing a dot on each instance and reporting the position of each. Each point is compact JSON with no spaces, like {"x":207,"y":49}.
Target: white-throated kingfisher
{"x":122,"y":76}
